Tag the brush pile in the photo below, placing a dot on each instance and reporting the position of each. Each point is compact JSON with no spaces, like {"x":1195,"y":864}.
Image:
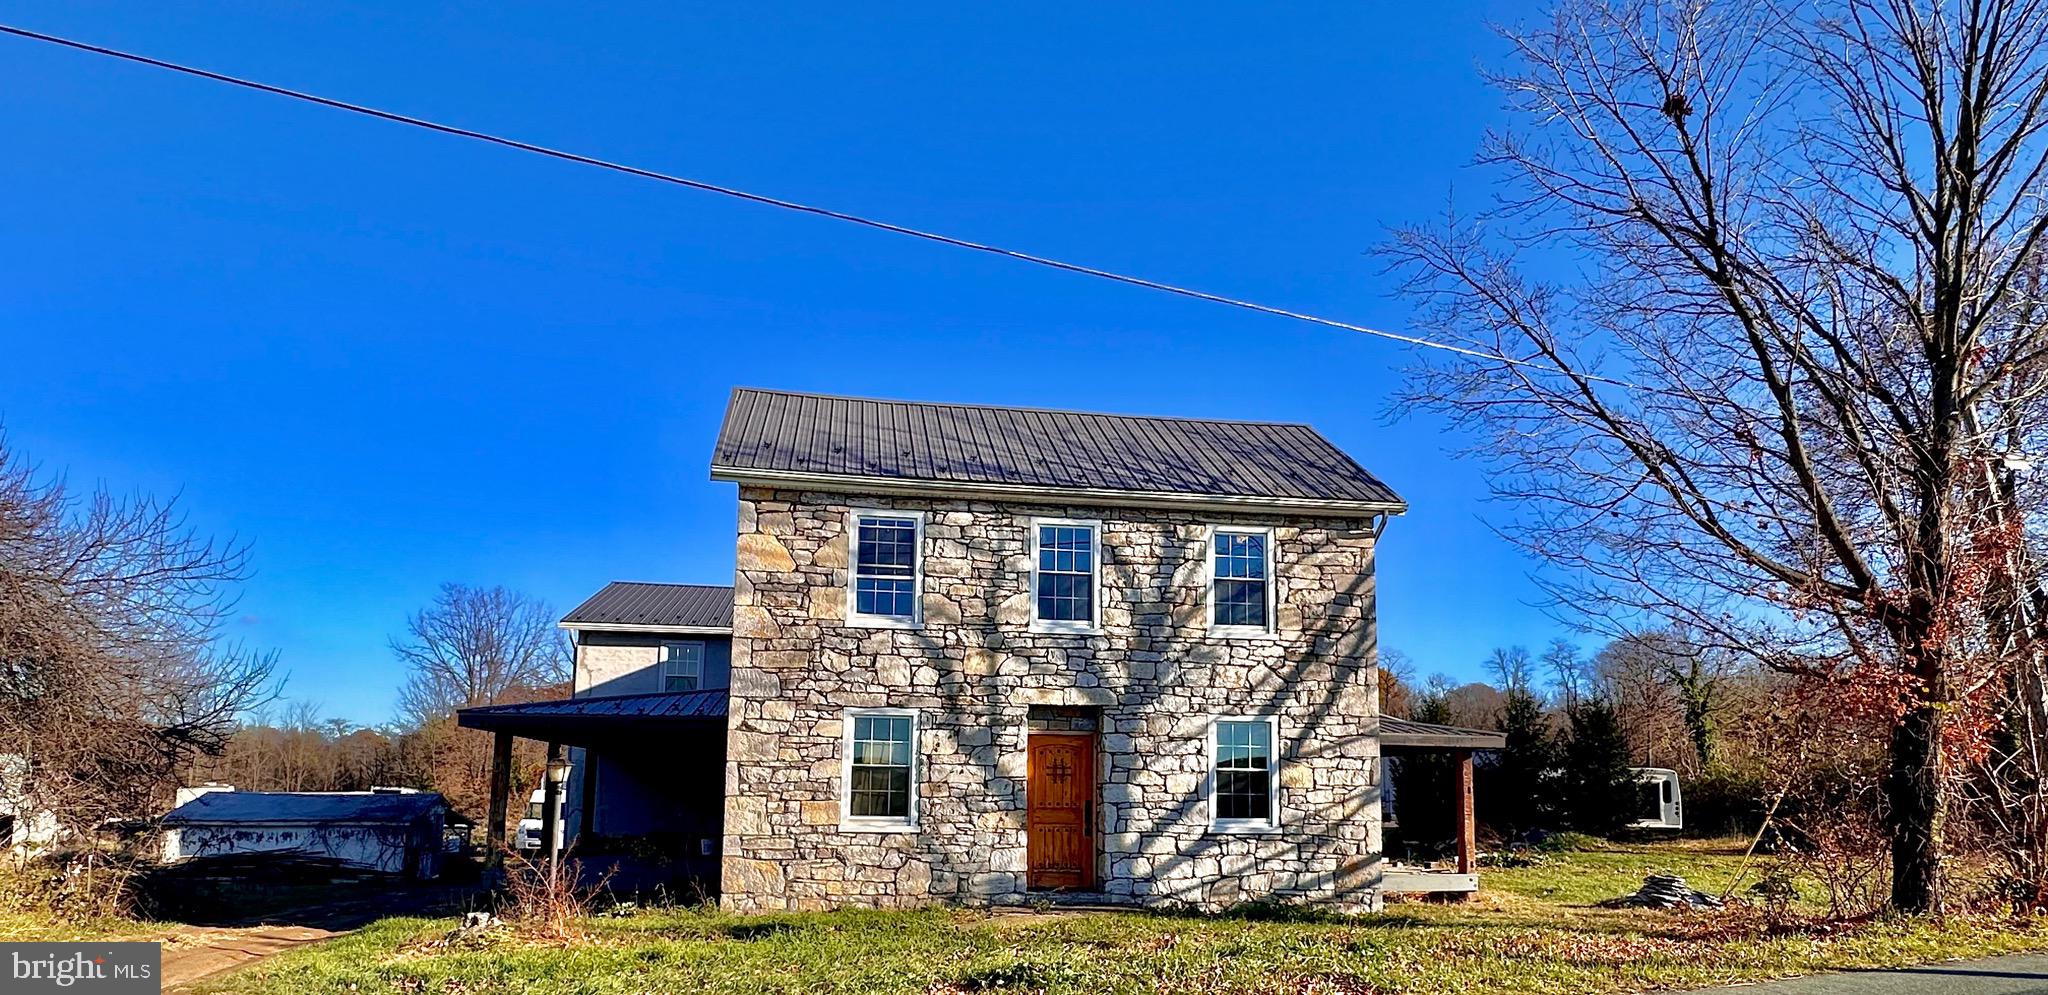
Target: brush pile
{"x":1664,"y":891}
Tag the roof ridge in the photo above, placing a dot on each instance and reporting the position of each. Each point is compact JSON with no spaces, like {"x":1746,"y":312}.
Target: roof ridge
{"x":670,"y":583}
{"x":972,"y":406}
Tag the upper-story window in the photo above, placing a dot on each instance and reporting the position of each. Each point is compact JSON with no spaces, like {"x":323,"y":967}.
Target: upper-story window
{"x":1240,"y":579}
{"x":1066,"y":568}
{"x":886,"y":568}
{"x":682,"y":666}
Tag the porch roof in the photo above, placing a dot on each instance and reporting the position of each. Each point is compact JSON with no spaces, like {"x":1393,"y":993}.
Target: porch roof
{"x":1407,"y":734}
{"x":571,"y":719}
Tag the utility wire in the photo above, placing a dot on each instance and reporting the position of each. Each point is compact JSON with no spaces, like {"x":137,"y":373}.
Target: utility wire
{"x":790,"y":205}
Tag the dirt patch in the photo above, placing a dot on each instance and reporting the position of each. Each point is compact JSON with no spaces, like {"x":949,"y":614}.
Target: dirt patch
{"x":194,"y":952}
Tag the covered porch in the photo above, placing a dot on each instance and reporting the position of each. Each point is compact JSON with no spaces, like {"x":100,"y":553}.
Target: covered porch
{"x":1401,"y":738}
{"x":635,"y":785}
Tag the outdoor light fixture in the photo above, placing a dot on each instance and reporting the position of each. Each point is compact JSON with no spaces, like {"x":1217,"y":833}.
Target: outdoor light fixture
{"x":558,"y":771}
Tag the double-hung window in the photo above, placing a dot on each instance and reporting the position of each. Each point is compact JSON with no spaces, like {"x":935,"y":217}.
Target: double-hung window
{"x":1241,"y":781}
{"x":881,"y":764}
{"x":1066,"y":570}
{"x":1240,"y":580}
{"x":886,"y":571}
{"x":682,"y":666}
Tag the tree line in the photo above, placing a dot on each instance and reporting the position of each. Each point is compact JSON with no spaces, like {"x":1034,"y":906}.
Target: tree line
{"x":471,"y":646}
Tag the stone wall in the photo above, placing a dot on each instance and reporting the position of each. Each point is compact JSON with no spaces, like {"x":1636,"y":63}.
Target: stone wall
{"x":974,"y":671}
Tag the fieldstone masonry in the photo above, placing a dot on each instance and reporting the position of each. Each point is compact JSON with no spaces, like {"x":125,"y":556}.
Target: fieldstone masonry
{"x":980,"y":680}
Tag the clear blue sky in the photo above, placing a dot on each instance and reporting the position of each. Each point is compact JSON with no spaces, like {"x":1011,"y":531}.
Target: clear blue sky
{"x":388,"y":358}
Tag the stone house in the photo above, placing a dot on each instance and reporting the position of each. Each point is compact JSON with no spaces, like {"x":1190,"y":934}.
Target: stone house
{"x":996,"y":655}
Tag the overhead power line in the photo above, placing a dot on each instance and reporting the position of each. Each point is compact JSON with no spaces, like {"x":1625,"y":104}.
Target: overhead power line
{"x":790,"y":205}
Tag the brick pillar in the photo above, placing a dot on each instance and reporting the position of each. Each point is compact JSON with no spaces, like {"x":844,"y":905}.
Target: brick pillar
{"x":1468,"y":833}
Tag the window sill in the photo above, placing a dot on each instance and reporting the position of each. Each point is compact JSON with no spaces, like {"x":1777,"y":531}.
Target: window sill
{"x":1242,"y":632}
{"x":900,"y":828}
{"x":883,"y":622}
{"x":1244,"y":829}
{"x":1063,"y":629}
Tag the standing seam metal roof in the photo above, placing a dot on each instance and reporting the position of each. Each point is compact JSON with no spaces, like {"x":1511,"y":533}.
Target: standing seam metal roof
{"x":624,"y":602}
{"x":1032,"y":447}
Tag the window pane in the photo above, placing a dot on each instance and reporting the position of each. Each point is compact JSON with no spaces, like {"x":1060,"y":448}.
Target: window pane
{"x":1240,"y":556}
{"x":1241,"y":602}
{"x":893,"y":598}
{"x":886,"y":547}
{"x":1244,"y":770}
{"x":879,"y":782}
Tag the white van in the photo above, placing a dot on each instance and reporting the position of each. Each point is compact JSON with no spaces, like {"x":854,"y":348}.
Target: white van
{"x":1658,"y":802}
{"x":528,"y":838}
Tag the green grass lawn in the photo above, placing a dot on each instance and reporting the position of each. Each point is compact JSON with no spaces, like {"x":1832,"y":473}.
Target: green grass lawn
{"x":1532,"y":930}
{"x":27,"y":926}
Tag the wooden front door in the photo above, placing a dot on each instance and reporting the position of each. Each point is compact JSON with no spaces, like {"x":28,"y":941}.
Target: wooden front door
{"x":1060,"y":811}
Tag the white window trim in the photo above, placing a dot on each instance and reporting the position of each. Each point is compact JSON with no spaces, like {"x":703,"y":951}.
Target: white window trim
{"x":1090,"y":628}
{"x":703,"y":652}
{"x":854,"y":617}
{"x":1267,"y":631}
{"x":1246,"y":826}
{"x":848,"y":822}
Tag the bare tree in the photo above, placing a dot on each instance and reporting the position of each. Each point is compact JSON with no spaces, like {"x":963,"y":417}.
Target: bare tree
{"x":1512,"y":669}
{"x":1780,"y":370}
{"x":476,"y":646}
{"x":1567,"y":672}
{"x":473,"y":646}
{"x":114,"y":681}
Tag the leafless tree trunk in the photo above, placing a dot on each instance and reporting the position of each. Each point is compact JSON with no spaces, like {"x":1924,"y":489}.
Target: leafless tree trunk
{"x":1781,"y":338}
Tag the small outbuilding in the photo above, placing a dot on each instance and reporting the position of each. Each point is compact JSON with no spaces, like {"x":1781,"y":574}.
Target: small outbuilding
{"x":384,"y":831}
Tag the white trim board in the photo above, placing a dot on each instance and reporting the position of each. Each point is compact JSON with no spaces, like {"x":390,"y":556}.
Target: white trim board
{"x":1064,"y":495}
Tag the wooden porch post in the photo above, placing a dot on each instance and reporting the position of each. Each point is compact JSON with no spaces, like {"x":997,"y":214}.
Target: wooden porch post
{"x":1468,"y":833}
{"x":586,"y":817}
{"x":501,"y":789}
{"x":551,"y":801}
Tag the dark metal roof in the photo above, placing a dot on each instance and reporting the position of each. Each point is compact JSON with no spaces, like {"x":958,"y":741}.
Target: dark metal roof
{"x":301,"y":807}
{"x":624,"y":602}
{"x":1409,"y":734}
{"x":1036,"y":448}
{"x":577,"y":720}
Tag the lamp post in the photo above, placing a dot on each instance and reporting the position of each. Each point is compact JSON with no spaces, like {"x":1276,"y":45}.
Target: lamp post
{"x":551,"y":801}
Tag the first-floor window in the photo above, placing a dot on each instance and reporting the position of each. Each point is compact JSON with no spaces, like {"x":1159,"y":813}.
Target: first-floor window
{"x":682,"y":666}
{"x":1242,"y":793}
{"x":881,"y":758}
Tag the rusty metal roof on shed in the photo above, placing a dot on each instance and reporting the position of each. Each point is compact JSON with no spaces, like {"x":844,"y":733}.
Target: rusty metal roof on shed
{"x":624,"y":603}
{"x":306,"y":808}
{"x":775,"y":435}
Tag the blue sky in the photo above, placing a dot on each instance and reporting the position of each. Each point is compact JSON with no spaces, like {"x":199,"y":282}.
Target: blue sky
{"x":388,"y":358}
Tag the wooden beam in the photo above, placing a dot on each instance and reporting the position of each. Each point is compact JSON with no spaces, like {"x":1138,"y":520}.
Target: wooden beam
{"x":501,"y":790}
{"x":1468,"y":832}
{"x":586,"y":816}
